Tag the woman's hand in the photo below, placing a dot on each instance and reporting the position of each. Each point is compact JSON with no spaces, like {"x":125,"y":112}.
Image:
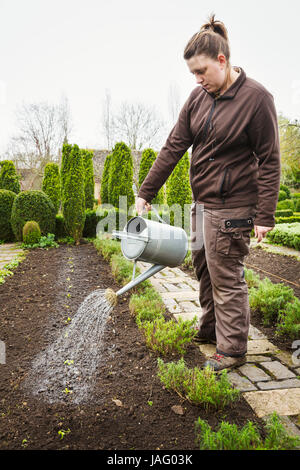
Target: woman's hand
{"x":261,"y":232}
{"x":141,"y":205}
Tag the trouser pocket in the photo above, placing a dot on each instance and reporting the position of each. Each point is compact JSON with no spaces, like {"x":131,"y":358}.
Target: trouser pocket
{"x":233,"y":237}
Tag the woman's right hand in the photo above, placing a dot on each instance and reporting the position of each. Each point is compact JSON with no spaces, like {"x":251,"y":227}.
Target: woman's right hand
{"x":142,"y":205}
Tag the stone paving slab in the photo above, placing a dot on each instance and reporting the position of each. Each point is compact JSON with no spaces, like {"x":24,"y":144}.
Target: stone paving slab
{"x":285,"y":402}
{"x":254,"y":373}
{"x":242,"y":383}
{"x":185,"y":315}
{"x":181,"y":295}
{"x":278,"y":370}
{"x":260,"y":346}
{"x":276,"y":384}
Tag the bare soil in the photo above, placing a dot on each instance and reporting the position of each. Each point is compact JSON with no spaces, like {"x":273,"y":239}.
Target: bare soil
{"x":34,"y":309}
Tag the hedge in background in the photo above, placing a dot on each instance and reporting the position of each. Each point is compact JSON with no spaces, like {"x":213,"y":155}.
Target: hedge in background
{"x":120,"y":180}
{"x":286,"y":234}
{"x":6,"y":202}
{"x":104,"y":180}
{"x":73,"y":202}
{"x":89,"y":181}
{"x":8,"y":177}
{"x":32,"y":205}
{"x":147,"y":160}
{"x":51,"y":184}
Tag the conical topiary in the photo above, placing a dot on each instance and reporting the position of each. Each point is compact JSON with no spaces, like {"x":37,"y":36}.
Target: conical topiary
{"x":147,"y":160}
{"x":120,"y":180}
{"x":51,"y":184}
{"x":9,"y":179}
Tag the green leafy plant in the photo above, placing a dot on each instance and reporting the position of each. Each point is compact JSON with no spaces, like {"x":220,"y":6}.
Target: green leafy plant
{"x":166,"y":337}
{"x":44,"y":242}
{"x":147,"y":305}
{"x":230,"y":437}
{"x":286,"y":234}
{"x":269,"y":299}
{"x":62,"y":433}
{"x":201,"y":387}
{"x":289,"y":320}
{"x":251,"y":278}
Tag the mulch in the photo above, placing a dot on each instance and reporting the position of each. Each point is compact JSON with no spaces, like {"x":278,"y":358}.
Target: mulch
{"x":129,"y":409}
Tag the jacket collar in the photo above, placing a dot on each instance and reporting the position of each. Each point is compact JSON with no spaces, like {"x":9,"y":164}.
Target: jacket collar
{"x":233,"y":89}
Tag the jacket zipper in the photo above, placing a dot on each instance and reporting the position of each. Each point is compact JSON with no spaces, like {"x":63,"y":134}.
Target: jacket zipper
{"x":213,"y":106}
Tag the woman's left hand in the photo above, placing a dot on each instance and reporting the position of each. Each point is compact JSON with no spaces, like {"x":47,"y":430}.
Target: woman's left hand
{"x":260,"y":232}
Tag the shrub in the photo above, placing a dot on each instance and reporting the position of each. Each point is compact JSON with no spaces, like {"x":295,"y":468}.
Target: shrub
{"x":73,"y":202}
{"x":31,"y":232}
{"x":269,"y":299}
{"x":282,"y":195}
{"x":147,"y":306}
{"x":286,"y":189}
{"x":107,"y":247}
{"x":229,"y":437}
{"x":287,"y":220}
{"x":32,"y":205}
{"x":104,"y":180}
{"x":51,"y":184}
{"x":166,"y":337}
{"x":6,"y":202}
{"x":285,"y":204}
{"x":178,"y":188}
{"x":44,"y":242}
{"x":251,"y":278}
{"x":89,"y":181}
{"x":286,"y":234}
{"x":296,"y":201}
{"x":9,"y":179}
{"x":284,"y":213}
{"x":120,"y":180}
{"x":147,"y":159}
{"x":90,"y":224}
{"x":60,"y":229}
{"x":289,"y":320}
{"x":201,"y":387}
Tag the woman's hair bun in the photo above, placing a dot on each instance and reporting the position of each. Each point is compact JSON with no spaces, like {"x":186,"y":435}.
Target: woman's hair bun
{"x":215,"y":26}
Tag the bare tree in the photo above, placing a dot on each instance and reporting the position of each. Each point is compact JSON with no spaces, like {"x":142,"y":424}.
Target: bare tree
{"x":41,"y":130}
{"x":107,"y":119}
{"x":174,"y":101}
{"x":138,"y":125}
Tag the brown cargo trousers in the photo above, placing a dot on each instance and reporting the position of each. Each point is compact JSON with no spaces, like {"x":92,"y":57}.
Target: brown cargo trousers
{"x":219,"y":267}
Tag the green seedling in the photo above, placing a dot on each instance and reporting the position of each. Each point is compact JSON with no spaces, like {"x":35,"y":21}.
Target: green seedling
{"x":150,"y":403}
{"x":67,"y":391}
{"x":63,"y":432}
{"x":67,"y":321}
{"x":69,"y":362}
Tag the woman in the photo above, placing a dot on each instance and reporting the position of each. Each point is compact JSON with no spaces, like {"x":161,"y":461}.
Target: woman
{"x":231,"y":122}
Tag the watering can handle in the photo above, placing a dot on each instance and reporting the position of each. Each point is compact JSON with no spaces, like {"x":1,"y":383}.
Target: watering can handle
{"x":157,"y":215}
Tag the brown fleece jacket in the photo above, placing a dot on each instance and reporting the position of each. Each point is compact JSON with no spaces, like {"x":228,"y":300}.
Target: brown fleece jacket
{"x":235,"y":155}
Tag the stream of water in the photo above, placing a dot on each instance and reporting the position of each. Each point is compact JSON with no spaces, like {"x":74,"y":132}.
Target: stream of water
{"x":68,"y":367}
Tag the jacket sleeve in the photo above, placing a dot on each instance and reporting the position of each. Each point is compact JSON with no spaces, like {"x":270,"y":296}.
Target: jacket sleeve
{"x":178,"y":142}
{"x":264,"y":139}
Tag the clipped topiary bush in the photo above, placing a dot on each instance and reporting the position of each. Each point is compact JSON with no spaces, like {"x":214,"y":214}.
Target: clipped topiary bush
{"x":286,"y":189}
{"x":178,"y":188}
{"x":73,"y":202}
{"x":285,"y":204}
{"x":6,"y":202}
{"x":31,"y":232}
{"x":147,"y":160}
{"x":9,"y":179}
{"x":51,"y":184}
{"x":104,"y":180}
{"x":32,"y":205}
{"x":89,"y":182}
{"x":120,"y":180}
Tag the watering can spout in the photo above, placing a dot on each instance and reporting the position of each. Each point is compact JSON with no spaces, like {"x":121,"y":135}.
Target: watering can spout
{"x":142,"y":277}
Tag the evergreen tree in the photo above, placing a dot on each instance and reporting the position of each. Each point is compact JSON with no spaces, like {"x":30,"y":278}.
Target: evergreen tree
{"x":51,"y":184}
{"x":178,"y":187}
{"x":9,"y":179}
{"x":73,"y":200}
{"x":147,"y":160}
{"x":104,"y":180}
{"x":120,"y":179}
{"x":89,"y":181}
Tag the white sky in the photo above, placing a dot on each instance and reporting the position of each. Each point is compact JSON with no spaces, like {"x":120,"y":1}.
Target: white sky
{"x":134,"y":48}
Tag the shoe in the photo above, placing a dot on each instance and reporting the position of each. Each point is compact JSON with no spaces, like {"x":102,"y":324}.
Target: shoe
{"x":219,"y":361}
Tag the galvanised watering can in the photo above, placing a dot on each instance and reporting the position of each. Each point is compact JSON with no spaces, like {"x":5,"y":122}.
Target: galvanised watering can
{"x":152,"y":242}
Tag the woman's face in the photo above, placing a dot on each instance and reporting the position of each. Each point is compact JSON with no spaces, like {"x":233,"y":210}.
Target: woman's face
{"x":209,"y":73}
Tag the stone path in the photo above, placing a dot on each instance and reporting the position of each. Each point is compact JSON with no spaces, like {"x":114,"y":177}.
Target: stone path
{"x":270,"y":379}
{"x":8,"y":252}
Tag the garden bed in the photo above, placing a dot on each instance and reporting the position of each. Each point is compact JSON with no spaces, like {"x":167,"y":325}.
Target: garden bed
{"x":128,"y":407}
